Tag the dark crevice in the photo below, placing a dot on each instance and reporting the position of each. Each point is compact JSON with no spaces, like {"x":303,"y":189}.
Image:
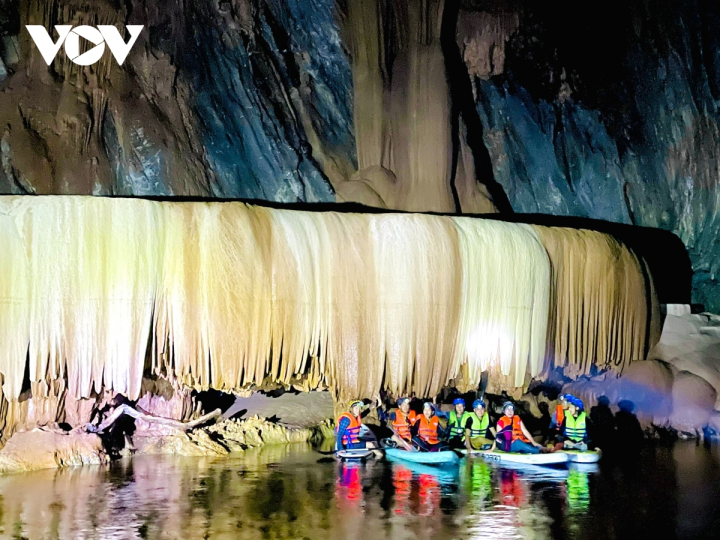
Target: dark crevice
{"x":463,"y":104}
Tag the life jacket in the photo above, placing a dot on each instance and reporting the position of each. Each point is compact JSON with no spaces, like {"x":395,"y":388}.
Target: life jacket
{"x":575,"y":428}
{"x":352,"y":433}
{"x":428,"y":429}
{"x":479,"y":426}
{"x":517,"y":434}
{"x":457,"y":425}
{"x":559,"y":415}
{"x":402,"y":423}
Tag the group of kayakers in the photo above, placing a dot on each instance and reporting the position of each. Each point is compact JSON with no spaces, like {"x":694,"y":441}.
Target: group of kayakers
{"x":460,"y":428}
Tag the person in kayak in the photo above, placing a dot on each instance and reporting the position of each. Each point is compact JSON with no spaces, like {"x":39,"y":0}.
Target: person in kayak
{"x":401,"y":420}
{"x":512,"y":435}
{"x":574,"y":429}
{"x":456,"y":424}
{"x":477,"y":427}
{"x":348,"y":428}
{"x":427,"y":431}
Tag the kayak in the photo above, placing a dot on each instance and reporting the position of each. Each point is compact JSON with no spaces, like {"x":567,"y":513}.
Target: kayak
{"x":447,"y":457}
{"x":589,"y":456}
{"x":555,"y":458}
{"x":360,"y":454}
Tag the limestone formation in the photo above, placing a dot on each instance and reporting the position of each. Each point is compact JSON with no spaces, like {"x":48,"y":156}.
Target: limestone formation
{"x":232,"y":296}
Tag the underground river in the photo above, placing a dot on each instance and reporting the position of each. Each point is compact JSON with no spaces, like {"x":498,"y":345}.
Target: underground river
{"x":291,"y":491}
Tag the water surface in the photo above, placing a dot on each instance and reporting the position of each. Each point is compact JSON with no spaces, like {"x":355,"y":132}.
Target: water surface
{"x":293,"y":492}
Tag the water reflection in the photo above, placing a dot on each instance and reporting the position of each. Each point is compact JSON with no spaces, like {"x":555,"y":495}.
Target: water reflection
{"x":289,"y":492}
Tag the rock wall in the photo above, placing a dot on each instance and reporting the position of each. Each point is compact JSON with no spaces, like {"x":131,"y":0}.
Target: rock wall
{"x":607,"y":112}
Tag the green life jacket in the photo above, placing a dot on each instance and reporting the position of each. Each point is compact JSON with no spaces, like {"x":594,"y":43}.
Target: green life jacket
{"x":575,"y":428}
{"x":478,"y":428}
{"x":479,"y":425}
{"x":457,"y":425}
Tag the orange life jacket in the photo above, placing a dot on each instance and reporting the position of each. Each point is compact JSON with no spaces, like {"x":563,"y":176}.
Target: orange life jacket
{"x":352,"y":433}
{"x":402,"y":423}
{"x":517,"y":433}
{"x":559,"y":415}
{"x":428,"y":430}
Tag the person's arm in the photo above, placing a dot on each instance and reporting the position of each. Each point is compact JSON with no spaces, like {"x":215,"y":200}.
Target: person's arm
{"x":528,"y":435}
{"x":414,"y":428}
{"x":468,"y":426}
{"x":561,"y":431}
{"x":443,"y":432}
{"x":342,"y":426}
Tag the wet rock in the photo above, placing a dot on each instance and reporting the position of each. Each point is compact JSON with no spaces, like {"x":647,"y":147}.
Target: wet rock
{"x":648,"y":385}
{"x":222,"y":438}
{"x":692,"y":343}
{"x":45,"y":449}
{"x":693,"y":403}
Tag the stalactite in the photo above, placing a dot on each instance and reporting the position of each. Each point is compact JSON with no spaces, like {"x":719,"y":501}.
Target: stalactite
{"x":228,"y":295}
{"x":402,"y":106}
{"x":600,"y":313}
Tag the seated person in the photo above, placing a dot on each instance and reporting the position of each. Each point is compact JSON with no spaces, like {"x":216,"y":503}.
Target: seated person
{"x":477,"y":427}
{"x":456,"y":424}
{"x":401,"y":420}
{"x":573,"y":430}
{"x":427,"y":431}
{"x":348,"y":428}
{"x":512,"y":435}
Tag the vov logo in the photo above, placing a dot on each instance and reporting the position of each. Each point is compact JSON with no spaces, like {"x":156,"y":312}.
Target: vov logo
{"x":100,"y":36}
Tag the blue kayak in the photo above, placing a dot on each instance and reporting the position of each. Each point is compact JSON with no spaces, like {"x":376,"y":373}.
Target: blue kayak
{"x":447,"y":457}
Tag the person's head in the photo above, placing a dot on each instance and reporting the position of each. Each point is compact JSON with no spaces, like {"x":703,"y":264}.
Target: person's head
{"x":356,"y":407}
{"x":575,"y":406}
{"x":428,"y":410}
{"x":509,"y":409}
{"x":404,"y":404}
{"x":565,"y":400}
{"x":479,"y":407}
{"x":459,"y":404}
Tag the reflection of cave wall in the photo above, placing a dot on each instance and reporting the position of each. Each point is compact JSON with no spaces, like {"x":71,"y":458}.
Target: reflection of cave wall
{"x":607,"y":112}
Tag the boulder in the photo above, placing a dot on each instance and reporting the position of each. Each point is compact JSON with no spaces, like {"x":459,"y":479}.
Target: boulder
{"x":648,"y":385}
{"x":693,"y":402}
{"x":48,"y":449}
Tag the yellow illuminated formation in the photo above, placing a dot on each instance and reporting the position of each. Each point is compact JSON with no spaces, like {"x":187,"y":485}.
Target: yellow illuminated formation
{"x":229,"y":295}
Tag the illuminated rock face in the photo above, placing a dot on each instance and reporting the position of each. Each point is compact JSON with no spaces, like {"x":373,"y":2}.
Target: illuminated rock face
{"x":228,"y":295}
{"x":471,"y":106}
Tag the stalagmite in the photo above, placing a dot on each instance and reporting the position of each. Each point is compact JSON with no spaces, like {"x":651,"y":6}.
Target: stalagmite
{"x":231,"y":296}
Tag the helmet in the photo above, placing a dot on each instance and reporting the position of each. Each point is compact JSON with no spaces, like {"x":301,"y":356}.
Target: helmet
{"x":508,"y":404}
{"x":402,"y":400}
{"x":458,"y":401}
{"x":566,"y":397}
{"x":429,"y":404}
{"x":478,"y":403}
{"x":356,"y":402}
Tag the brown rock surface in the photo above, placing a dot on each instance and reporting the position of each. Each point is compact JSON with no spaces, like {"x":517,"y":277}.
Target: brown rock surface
{"x":46,"y":449}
